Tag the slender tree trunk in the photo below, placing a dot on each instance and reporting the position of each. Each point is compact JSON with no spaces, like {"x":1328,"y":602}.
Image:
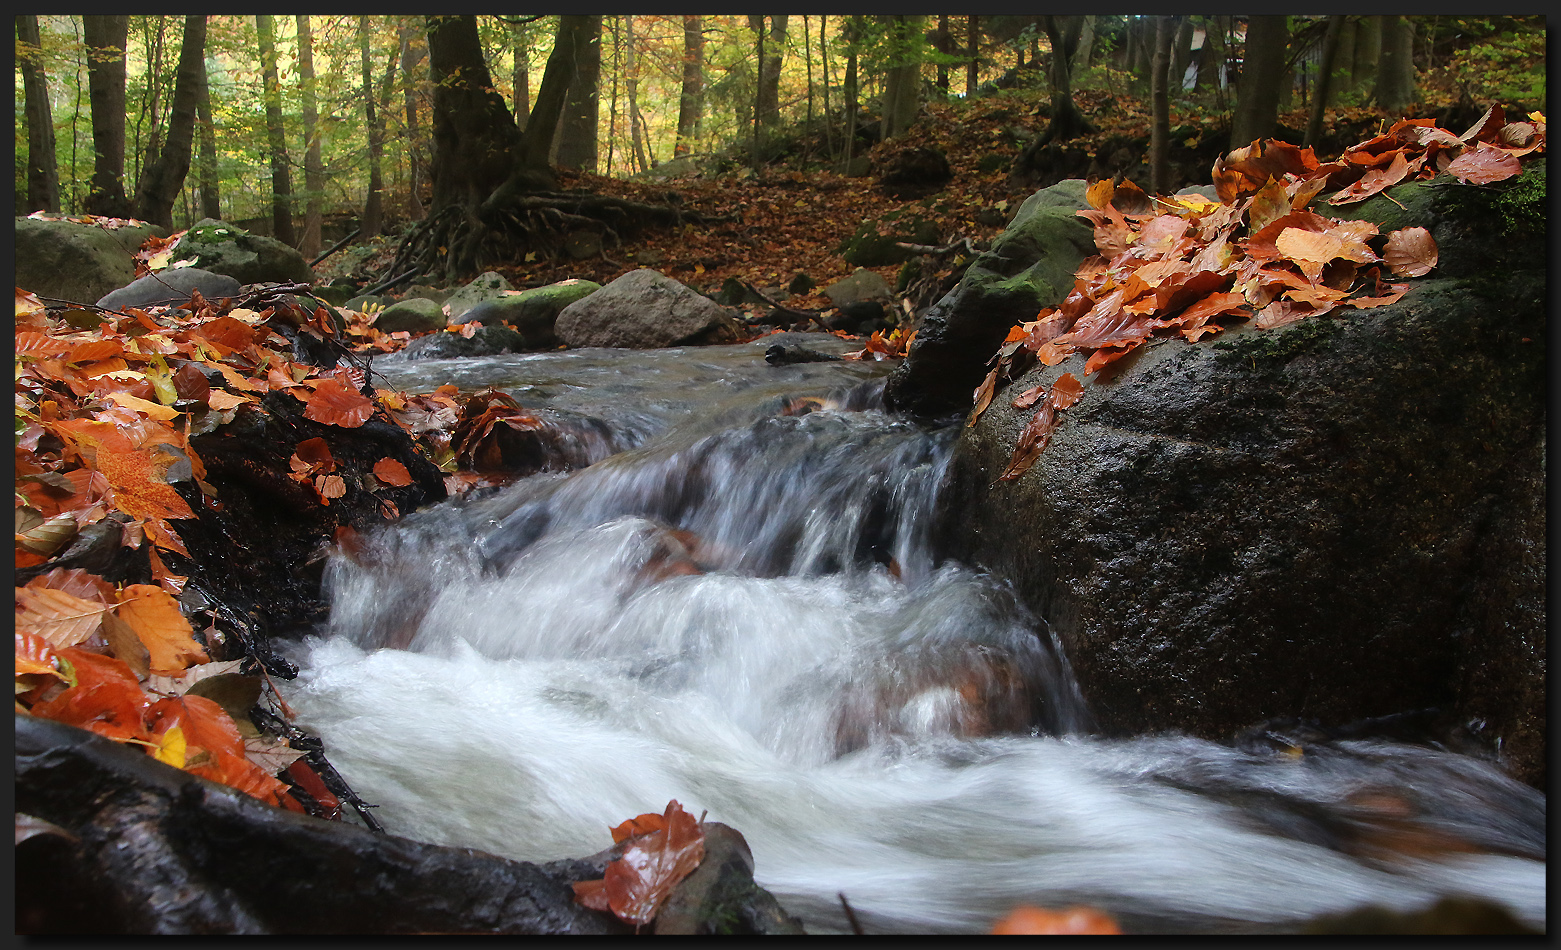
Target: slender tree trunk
{"x":756,"y":24}
{"x":1160,"y":105}
{"x":521,"y":76}
{"x":1067,"y":121}
{"x":1325,"y":79}
{"x":771,"y":57}
{"x":276,"y":136}
{"x":1396,"y":70}
{"x":374,"y":206}
{"x":692,"y":93}
{"x":106,"y":38}
{"x":1344,"y":57}
{"x":631,"y":84}
{"x":1368,"y":51}
{"x":973,"y":48}
{"x":612,"y":103}
{"x":577,"y":146}
{"x":1083,"y":55}
{"x":1262,"y":75}
{"x":1181,"y":55}
{"x":210,"y":176}
{"x":411,"y":56}
{"x":829,"y":116}
{"x":902,"y":93}
{"x":43,"y":178}
{"x":943,"y":66}
{"x":853,"y":35}
{"x":160,"y":186}
{"x":314,"y":169}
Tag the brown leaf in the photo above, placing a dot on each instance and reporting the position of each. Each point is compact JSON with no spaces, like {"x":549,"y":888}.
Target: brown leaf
{"x":1410,"y":252}
{"x":652,"y":865}
{"x":1269,"y":205}
{"x":156,"y":619}
{"x":1374,"y":181}
{"x":392,"y":473}
{"x":60,"y":618}
{"x":1484,"y":164}
{"x":1032,"y":441}
{"x":984,"y":393}
{"x":1066,"y":391}
{"x":334,"y":403}
{"x":1099,"y":194}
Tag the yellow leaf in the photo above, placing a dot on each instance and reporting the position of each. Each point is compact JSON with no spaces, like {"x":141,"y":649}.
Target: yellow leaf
{"x":161,"y":379}
{"x":172,"y":747}
{"x":151,"y":409}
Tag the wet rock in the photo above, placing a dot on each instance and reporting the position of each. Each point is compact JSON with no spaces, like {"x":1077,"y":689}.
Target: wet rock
{"x":1336,"y":520}
{"x":484,"y":286}
{"x":532,"y":313}
{"x":862,"y":285}
{"x":436,"y":294}
{"x":720,"y":897}
{"x":151,"y":849}
{"x":76,"y":262}
{"x":171,"y":287}
{"x":415,"y":315}
{"x":644,"y":309}
{"x":779,"y":354}
{"x":247,"y":258}
{"x":1030,"y":266}
{"x":487,"y":341}
{"x":863,"y":316}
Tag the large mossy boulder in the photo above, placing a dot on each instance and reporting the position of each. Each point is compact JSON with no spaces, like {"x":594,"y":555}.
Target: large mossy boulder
{"x":248,"y":258}
{"x":64,"y":260}
{"x":644,"y":309}
{"x":1030,"y":266}
{"x":485,"y":286}
{"x":1340,"y":519}
{"x":532,"y":313}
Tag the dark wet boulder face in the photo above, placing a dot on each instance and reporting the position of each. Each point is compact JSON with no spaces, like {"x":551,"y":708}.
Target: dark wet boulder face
{"x":1340,"y":519}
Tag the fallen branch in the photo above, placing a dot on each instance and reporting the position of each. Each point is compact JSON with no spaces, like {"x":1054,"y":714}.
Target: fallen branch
{"x":963,"y":244}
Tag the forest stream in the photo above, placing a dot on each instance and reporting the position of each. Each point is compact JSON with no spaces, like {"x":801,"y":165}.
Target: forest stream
{"x":739,"y":605}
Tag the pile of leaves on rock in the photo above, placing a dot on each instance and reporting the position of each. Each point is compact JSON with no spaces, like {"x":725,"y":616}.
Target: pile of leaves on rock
{"x":1179,"y":265}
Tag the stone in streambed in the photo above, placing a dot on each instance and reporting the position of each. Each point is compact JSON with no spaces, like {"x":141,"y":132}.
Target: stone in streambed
{"x":643,"y":309}
{"x":414,"y":315}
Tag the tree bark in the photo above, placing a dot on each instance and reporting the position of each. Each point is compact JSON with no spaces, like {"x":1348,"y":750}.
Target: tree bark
{"x":631,"y":83}
{"x":374,"y":207}
{"x":902,"y":86}
{"x":1325,"y":80}
{"x":520,"y":80}
{"x":474,"y":152}
{"x":578,"y":39}
{"x":973,"y":48}
{"x":106,"y":38}
{"x":1181,"y":55}
{"x":1344,"y":56}
{"x":43,"y":177}
{"x":853,"y":36}
{"x":1368,"y":50}
{"x":206,"y":157}
{"x":276,"y":136}
{"x":1395,"y":90}
{"x":1166,"y":28}
{"x":772,"y":58}
{"x":160,"y":185}
{"x":1067,"y":121}
{"x":943,"y":66}
{"x":577,"y":146}
{"x":1262,"y":74}
{"x":411,"y":56}
{"x":1085,"y":51}
{"x":692,"y":94}
{"x":314,"y":169}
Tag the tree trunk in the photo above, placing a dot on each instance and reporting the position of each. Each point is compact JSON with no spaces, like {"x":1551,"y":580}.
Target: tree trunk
{"x":582,"y":113}
{"x":276,"y":136}
{"x":159,"y":187}
{"x":43,"y":178}
{"x":1262,"y":75}
{"x":1344,"y":56}
{"x":106,"y":38}
{"x":943,"y":66}
{"x":853,"y":36}
{"x":689,"y":100}
{"x":411,"y":56}
{"x":473,"y":151}
{"x":1067,"y":121}
{"x":902,"y":88}
{"x":521,"y":76}
{"x":1396,"y":71}
{"x":1181,"y":55}
{"x":1166,"y":28}
{"x":578,"y":40}
{"x":631,"y":84}
{"x":1325,"y":79}
{"x":772,"y":58}
{"x":374,"y":207}
{"x":973,"y":49}
{"x":1082,"y":55}
{"x":210,"y":175}
{"x":314,"y":169}
{"x":1368,"y":51}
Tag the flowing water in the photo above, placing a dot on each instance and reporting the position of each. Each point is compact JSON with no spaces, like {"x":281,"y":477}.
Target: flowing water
{"x":740,"y":609}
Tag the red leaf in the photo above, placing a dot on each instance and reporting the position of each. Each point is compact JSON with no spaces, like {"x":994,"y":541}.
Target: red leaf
{"x":984,"y":393}
{"x":392,"y":473}
{"x":1483,"y":164}
{"x":107,"y":698}
{"x":335,"y":404}
{"x":1032,"y":441}
{"x":652,"y":865}
{"x":1073,"y":920}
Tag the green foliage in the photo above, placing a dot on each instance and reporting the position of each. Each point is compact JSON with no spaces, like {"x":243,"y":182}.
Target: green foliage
{"x":1522,"y":205}
{"x":1507,"y":68}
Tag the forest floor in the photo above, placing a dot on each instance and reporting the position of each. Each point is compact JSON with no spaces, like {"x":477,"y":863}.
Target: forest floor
{"x":793,"y":215}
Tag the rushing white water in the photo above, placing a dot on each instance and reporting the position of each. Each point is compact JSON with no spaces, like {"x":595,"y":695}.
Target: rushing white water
{"x":751,"y":621}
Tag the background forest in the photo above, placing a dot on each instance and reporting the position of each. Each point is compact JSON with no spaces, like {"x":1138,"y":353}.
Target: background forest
{"x":308,"y":127}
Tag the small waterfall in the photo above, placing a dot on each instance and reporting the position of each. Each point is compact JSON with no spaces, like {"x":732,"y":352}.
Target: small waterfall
{"x":749,"y":617}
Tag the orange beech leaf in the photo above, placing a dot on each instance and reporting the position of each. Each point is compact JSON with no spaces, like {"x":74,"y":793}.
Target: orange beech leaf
{"x":1032,"y":441}
{"x":240,"y":381}
{"x":1073,"y":920}
{"x":34,"y":654}
{"x":392,"y":473}
{"x":1066,"y":391}
{"x":151,"y":409}
{"x":1366,"y":303}
{"x":313,"y":455}
{"x":330,"y":486}
{"x":1030,"y":397}
{"x":226,"y":334}
{"x":1374,"y":181}
{"x":107,"y":698}
{"x":335,"y":404}
{"x":78,"y":583}
{"x":1270,"y":204}
{"x":1099,"y":194}
{"x":984,"y":394}
{"x":60,"y":618}
{"x":94,"y":350}
{"x":155,"y":617}
{"x":27,"y":303}
{"x":1281,"y":313}
{"x":652,"y":865}
{"x":1102,"y":358}
{"x":214,"y":748}
{"x":221,"y":400}
{"x":1484,"y":164}
{"x":639,"y":825}
{"x":1128,"y":198}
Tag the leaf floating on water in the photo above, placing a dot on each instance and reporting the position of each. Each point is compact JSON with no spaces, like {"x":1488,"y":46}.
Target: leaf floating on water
{"x":654,"y":863}
{"x":1073,"y":920}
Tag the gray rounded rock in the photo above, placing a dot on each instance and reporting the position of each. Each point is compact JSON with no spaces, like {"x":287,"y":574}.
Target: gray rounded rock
{"x":171,"y":286}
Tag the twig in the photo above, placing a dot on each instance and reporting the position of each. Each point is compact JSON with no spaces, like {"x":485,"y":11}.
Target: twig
{"x":856,"y":926}
{"x":935,"y":251}
{"x":387,"y":284}
{"x":338,"y":246}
